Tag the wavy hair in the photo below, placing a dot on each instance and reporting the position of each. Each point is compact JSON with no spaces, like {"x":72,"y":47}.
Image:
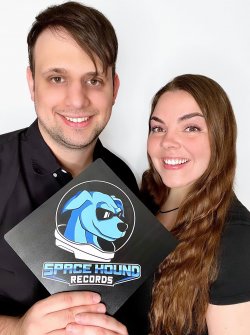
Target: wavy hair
{"x":180,"y":294}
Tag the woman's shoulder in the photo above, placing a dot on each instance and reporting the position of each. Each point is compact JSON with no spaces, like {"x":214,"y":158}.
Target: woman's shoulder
{"x":238,"y":214}
{"x":233,"y":282}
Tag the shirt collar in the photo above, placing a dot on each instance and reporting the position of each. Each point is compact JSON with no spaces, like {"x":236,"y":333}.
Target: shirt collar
{"x":42,"y":158}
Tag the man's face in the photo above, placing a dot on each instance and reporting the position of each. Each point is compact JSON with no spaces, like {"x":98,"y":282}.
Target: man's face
{"x":73,"y":103}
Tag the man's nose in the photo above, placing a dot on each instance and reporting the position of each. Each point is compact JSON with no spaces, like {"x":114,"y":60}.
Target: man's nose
{"x":77,"y":95}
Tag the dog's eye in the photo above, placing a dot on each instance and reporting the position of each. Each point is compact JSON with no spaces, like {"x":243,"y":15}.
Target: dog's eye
{"x":103,"y":214}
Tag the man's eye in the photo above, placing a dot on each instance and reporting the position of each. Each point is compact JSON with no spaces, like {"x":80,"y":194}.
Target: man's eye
{"x":94,"y":82}
{"x":57,"y":80}
{"x":192,"y":129}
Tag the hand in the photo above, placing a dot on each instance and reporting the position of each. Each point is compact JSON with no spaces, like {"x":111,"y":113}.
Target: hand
{"x":95,"y":324}
{"x":53,"y":314}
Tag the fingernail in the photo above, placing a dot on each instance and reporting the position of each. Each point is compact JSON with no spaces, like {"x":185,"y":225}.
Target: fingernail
{"x":101,"y":308}
{"x":96,"y":298}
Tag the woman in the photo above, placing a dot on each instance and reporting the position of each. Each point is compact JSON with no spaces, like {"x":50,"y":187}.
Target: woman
{"x":204,"y":285}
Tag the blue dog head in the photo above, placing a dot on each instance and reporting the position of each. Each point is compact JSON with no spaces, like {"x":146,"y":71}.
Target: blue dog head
{"x":94,"y":214}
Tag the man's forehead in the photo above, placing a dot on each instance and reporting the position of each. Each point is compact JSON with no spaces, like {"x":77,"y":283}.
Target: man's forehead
{"x":56,"y":44}
{"x":55,"y":35}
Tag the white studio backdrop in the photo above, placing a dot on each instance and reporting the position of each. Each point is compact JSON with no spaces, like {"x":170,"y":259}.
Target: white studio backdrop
{"x":158,"y":40}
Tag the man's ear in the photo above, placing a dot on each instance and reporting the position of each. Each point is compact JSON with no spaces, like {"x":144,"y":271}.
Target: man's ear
{"x":31,"y":83}
{"x":116,"y":87}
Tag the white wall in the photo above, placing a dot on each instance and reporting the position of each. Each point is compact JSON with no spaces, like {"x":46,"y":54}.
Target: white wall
{"x":157,"y":40}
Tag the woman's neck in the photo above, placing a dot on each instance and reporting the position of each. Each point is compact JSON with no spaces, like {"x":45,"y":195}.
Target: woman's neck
{"x":167,"y":219}
{"x":168,"y":212}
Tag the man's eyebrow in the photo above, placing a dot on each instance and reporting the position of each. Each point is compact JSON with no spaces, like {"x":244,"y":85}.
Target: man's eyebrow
{"x":189,"y":116}
{"x":55,"y":70}
{"x":59,"y":70}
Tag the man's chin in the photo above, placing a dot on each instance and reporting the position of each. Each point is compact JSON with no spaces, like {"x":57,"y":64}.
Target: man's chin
{"x":76,"y":141}
{"x":74,"y":145}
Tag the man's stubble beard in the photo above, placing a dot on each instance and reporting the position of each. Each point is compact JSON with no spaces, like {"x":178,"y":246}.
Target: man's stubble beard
{"x":65,"y":142}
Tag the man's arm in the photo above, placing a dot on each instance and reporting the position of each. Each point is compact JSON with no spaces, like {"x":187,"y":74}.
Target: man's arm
{"x":64,"y":313}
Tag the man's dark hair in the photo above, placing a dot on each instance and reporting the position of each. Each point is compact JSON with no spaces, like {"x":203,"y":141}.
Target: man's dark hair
{"x":89,"y":28}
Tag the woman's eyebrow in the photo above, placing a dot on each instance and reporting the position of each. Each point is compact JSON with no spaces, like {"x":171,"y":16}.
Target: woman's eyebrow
{"x":189,"y":116}
{"x":181,"y":118}
{"x":155,"y":118}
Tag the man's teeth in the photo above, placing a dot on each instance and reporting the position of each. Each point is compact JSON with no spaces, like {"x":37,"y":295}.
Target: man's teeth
{"x":76,"y":119}
{"x":175,"y":161}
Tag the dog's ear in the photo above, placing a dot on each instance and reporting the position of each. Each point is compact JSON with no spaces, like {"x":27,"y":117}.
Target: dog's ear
{"x":77,"y":201}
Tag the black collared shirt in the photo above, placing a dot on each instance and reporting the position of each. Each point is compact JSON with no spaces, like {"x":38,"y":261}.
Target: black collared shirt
{"x":29,"y":175}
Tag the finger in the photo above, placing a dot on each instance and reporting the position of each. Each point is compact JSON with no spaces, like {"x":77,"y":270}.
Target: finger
{"x":101,"y":320}
{"x":89,"y":330}
{"x":60,"y":319}
{"x":97,"y":308}
{"x":60,"y":301}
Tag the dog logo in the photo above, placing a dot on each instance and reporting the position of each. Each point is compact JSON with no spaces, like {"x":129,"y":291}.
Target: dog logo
{"x":92,"y":222}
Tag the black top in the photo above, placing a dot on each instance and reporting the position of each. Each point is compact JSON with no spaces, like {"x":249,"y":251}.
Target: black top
{"x":29,"y":175}
{"x":232,"y":285}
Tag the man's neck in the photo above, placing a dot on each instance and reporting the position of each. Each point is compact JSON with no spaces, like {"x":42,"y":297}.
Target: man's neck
{"x":72,"y":160}
{"x":75,"y":161}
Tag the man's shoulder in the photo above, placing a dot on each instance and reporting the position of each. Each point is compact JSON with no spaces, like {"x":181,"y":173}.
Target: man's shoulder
{"x":9,"y":145}
{"x":120,"y":168}
{"x":10,"y":138}
{"x":9,"y":163}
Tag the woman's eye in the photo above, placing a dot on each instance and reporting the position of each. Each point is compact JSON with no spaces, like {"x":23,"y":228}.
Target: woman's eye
{"x":157,"y":129}
{"x":192,"y":129}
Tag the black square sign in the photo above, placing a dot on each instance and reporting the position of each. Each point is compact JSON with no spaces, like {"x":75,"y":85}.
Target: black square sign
{"x":94,"y":234}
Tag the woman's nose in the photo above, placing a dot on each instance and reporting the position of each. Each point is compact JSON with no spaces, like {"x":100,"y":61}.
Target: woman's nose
{"x":170,"y":140}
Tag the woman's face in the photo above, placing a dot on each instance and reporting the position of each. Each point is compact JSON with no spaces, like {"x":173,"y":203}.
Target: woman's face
{"x":178,"y":143}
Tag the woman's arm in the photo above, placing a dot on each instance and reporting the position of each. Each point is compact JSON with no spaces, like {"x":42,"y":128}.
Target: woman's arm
{"x":228,"y":319}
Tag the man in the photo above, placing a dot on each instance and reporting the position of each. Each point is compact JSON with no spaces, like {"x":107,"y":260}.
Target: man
{"x":73,"y":83}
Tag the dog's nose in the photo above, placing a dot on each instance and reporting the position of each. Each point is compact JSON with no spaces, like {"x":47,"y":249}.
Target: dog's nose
{"x":122,"y":226}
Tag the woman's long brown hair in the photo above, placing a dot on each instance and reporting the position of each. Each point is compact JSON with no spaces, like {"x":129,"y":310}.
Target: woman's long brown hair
{"x":181,"y":290}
